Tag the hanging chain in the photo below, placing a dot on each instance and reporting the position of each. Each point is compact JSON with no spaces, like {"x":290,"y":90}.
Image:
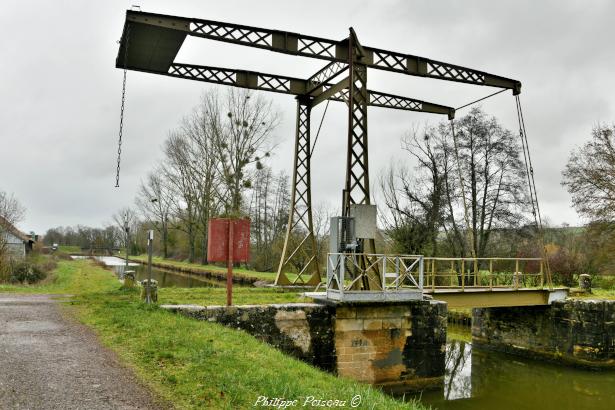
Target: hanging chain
{"x":119,"y":142}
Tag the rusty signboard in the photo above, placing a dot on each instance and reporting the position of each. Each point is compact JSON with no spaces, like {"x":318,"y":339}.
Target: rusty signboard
{"x":218,"y":240}
{"x":228,"y":241}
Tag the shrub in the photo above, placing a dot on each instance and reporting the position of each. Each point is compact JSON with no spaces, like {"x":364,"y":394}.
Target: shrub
{"x":564,"y":265}
{"x":26,"y":272}
{"x":31,"y":270}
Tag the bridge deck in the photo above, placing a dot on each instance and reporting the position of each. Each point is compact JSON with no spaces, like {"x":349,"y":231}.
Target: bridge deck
{"x":469,"y":297}
{"x":496,"y":297}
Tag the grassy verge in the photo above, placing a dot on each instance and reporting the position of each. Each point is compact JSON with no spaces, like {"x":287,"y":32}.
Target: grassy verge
{"x":600,"y":294}
{"x":190,"y":363}
{"x":69,"y":249}
{"x":217,"y":296}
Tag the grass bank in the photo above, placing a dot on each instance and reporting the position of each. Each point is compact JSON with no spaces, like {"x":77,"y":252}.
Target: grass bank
{"x":598,"y":293}
{"x":69,"y":249}
{"x":190,"y":363}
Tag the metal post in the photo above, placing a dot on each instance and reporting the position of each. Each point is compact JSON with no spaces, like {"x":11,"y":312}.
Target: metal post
{"x":463,"y":275}
{"x":229,"y":265}
{"x":384,"y":272}
{"x":433,"y":274}
{"x":148,"y":289}
{"x":342,"y":273}
{"x":516,"y":274}
{"x":127,"y":229}
{"x":491,"y":274}
{"x":300,"y":215}
{"x":421,"y":270}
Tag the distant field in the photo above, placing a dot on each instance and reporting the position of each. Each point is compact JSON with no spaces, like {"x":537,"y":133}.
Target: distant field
{"x":69,"y":249}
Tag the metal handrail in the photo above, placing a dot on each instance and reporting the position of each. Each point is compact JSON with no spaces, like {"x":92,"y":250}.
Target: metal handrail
{"x":407,"y":272}
{"x":485,"y":277}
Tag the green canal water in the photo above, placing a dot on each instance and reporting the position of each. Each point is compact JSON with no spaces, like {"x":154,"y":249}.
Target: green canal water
{"x":165,"y":278}
{"x":478,"y":379}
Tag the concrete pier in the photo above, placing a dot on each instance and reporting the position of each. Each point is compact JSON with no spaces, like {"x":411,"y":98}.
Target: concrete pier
{"x":384,"y":343}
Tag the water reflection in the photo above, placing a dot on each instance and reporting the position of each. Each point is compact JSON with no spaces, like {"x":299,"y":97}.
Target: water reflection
{"x":165,"y":278}
{"x":458,"y":376}
{"x":478,"y":379}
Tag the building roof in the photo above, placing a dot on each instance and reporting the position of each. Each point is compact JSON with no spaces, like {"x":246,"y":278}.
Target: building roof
{"x":9,"y":227}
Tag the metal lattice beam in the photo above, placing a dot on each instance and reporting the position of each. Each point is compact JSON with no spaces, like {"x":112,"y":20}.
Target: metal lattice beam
{"x":321,"y":48}
{"x":297,"y":86}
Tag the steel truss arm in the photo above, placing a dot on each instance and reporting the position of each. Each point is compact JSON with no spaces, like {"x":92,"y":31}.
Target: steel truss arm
{"x":297,"y":86}
{"x":326,"y":49}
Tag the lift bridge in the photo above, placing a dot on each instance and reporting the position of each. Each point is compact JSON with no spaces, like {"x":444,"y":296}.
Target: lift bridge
{"x":355,"y":272}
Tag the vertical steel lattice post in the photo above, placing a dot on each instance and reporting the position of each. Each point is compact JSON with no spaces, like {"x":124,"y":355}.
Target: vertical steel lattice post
{"x":300,"y":244}
{"x":357,"y":169}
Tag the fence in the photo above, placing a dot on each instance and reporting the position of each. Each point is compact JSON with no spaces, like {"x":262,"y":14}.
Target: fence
{"x":483,"y":273}
{"x":346,"y":272}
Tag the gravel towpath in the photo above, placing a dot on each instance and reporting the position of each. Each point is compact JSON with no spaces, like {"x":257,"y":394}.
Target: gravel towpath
{"x":50,"y":362}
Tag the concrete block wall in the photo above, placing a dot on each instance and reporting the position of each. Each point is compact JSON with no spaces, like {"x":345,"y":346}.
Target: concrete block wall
{"x":391,"y":343}
{"x":303,"y":330}
{"x":379,"y":343}
{"x":578,"y":332}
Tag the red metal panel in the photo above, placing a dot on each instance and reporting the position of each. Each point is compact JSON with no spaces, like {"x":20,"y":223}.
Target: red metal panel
{"x":217,"y":246}
{"x":241,"y":240}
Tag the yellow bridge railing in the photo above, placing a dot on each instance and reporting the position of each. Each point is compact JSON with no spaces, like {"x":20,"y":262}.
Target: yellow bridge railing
{"x":489,"y":273}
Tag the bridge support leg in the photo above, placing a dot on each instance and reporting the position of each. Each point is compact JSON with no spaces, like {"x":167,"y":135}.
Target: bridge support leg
{"x":357,"y":165}
{"x":299,"y":251}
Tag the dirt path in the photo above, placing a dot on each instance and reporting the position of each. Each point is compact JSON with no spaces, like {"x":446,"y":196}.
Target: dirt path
{"x":50,"y":362}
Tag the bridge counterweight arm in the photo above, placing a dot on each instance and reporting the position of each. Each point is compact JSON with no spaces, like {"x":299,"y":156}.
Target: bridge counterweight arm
{"x":321,"y":48}
{"x":296,"y":86}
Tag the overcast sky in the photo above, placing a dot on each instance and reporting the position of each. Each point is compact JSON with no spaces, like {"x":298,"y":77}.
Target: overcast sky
{"x":60,"y":93}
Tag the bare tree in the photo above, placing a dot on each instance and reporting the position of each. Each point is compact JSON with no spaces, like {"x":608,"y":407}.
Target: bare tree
{"x":244,"y":138}
{"x":11,"y":212}
{"x":268,"y":210}
{"x":155,"y":199}
{"x":589,"y":175}
{"x":125,"y":219}
{"x":202,"y":128}
{"x":416,"y":202}
{"x":431,"y":200}
{"x":494,"y":176}
{"x":178,"y":170}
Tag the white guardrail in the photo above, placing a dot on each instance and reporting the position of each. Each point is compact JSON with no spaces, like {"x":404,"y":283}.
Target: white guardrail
{"x":391,"y":273}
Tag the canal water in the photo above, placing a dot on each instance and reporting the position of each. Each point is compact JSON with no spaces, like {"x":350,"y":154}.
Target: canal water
{"x":478,"y":379}
{"x":165,"y":278}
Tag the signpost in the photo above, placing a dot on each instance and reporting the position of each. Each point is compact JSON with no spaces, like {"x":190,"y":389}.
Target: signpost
{"x":150,"y":243}
{"x":127,"y":230}
{"x":229,"y":241}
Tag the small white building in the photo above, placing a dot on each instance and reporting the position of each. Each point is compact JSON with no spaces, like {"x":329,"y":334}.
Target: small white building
{"x":16,"y":243}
